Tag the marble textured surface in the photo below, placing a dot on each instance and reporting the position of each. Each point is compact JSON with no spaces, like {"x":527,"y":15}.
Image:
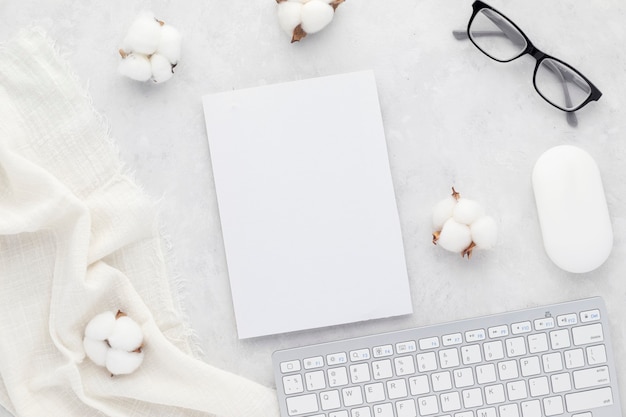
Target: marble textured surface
{"x":452,"y":117}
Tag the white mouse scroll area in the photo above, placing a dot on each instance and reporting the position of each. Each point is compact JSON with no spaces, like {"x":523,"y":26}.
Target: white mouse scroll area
{"x":572,"y":209}
{"x":307,"y":206}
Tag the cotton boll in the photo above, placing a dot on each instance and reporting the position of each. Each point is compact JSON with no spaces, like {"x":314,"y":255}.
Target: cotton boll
{"x":289,"y":15}
{"x":442,"y":212}
{"x":96,"y":350}
{"x":169,"y":44}
{"x":484,"y":232}
{"x":119,"y":362}
{"x":143,"y":35}
{"x":316,"y":15}
{"x":126,"y":334}
{"x":454,"y":236}
{"x":136,"y":67}
{"x":161,"y":68}
{"x":100,"y":326}
{"x":467,"y":211}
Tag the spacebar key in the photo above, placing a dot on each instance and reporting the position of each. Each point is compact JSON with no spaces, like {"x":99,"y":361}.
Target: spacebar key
{"x":302,"y":405}
{"x":587,"y":400}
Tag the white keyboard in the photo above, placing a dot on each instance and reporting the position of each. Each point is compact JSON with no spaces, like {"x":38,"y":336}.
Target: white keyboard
{"x":555,"y":360}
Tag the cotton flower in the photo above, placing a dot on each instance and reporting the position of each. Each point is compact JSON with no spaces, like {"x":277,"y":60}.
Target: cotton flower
{"x":300,"y":18}
{"x":114,"y":341}
{"x":461,"y":225}
{"x":150,"y":50}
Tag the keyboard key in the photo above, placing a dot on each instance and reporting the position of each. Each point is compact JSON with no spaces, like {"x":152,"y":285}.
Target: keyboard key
{"x":552,"y":362}
{"x":428,"y":405}
{"x":544,"y":324}
{"x":486,"y":412}
{"x":594,"y":377}
{"x":531,"y":408}
{"x":382,"y":410}
{"x":330,"y":400}
{"x":553,"y":406}
{"x":312,"y":363}
{"x":290,"y":366}
{"x":521,"y":327}
{"x":473,"y":336}
{"x":359,"y":355}
{"x":498,"y":331}
{"x":406,"y":347}
{"x":584,"y":335}
{"x":515,"y":347}
{"x":360,"y":412}
{"x":559,"y":339}
{"x":596,"y":354}
{"x":589,"y":315}
{"x":561,"y":383}
{"x":509,"y":410}
{"x":419,"y":385}
{"x":463,"y":377}
{"x":360,"y":373}
{"x":396,"y":389}
{"x":574,"y":358}
{"x":507,"y":370}
{"x":382,"y":369}
{"x":352,"y":396}
{"x":567,"y":319}
{"x":472,"y":398}
{"x":337,"y":377}
{"x":587,"y":400}
{"x":493,"y":350}
{"x":336,"y":358}
{"x":406,"y":408}
{"x":516,"y":390}
{"x":452,"y":339}
{"x":429,"y":343}
{"x":441,"y":381}
{"x":471,"y":354}
{"x":375,"y":392}
{"x":342,"y":413}
{"x":486,"y":374}
{"x":530,"y":366}
{"x":494,"y":394}
{"x":404,"y":365}
{"x":450,"y":401}
{"x":382,"y":351}
{"x":449,"y":358}
{"x":303,"y":404}
{"x":315,"y":380}
{"x":538,"y":343}
{"x":293,"y":384}
{"x":426,"y":362}
{"x":538,"y":386}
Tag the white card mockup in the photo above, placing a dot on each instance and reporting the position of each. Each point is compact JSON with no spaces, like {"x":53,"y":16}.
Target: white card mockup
{"x":307,"y":206}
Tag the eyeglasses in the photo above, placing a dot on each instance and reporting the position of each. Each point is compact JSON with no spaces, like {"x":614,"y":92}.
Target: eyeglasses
{"x":500,"y":39}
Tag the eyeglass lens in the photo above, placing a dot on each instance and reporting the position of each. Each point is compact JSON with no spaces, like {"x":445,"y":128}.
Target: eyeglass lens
{"x":498,"y":38}
{"x":560,"y":84}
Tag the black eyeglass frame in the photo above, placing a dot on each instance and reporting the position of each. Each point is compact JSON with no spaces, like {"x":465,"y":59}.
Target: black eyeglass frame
{"x":539,"y":56}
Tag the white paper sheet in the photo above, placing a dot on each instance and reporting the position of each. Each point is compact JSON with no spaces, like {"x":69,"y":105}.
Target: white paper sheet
{"x":307,"y":206}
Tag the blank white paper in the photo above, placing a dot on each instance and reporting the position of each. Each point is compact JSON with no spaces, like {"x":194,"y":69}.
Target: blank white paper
{"x":307,"y":206}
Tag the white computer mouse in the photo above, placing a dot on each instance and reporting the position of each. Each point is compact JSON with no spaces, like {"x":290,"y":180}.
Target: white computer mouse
{"x":572,"y":209}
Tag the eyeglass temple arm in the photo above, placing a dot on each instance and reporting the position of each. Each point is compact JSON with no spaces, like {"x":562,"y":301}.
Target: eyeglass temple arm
{"x":572,"y":120}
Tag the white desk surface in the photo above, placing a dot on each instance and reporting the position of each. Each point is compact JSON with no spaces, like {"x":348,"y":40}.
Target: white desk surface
{"x":452,"y":117}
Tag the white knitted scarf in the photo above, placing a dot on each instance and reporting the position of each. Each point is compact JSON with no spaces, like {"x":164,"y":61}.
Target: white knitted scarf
{"x":78,"y":237}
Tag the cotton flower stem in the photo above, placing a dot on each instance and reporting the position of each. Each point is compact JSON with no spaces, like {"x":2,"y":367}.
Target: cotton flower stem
{"x":455,"y":194}
{"x":436,"y":237}
{"x":468,"y":251}
{"x":119,"y":314}
{"x":298,"y":34}
{"x":336,"y":3}
{"x":123,"y":53}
